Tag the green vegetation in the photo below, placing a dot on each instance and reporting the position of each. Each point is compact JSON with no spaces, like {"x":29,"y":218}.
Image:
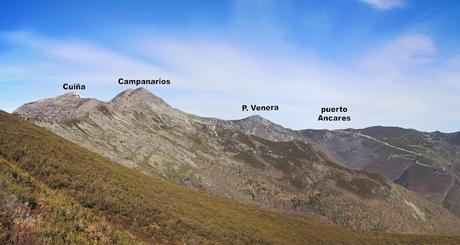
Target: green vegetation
{"x":75,"y":186}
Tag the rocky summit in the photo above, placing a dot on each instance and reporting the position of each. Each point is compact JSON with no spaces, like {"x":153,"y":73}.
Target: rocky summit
{"x":251,"y":160}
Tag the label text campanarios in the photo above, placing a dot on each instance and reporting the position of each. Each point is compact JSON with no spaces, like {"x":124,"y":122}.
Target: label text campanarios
{"x":138,"y":82}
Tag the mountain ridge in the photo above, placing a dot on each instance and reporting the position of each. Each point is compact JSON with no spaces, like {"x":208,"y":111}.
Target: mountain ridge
{"x":222,"y":157}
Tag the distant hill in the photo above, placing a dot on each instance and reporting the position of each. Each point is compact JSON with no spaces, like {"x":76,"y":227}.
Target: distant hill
{"x":426,"y":163}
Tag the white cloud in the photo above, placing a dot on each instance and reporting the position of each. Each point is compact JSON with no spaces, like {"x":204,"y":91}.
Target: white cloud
{"x":384,"y":4}
{"x":402,"y":56}
{"x":401,"y":82}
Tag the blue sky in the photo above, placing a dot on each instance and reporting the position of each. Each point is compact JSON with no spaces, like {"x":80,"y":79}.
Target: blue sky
{"x":391,"y":62}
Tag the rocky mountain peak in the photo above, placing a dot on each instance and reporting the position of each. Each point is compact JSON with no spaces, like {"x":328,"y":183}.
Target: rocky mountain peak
{"x":256,"y":121}
{"x":70,"y":106}
{"x":58,"y":109}
{"x":264,"y":128}
{"x":67,"y":99}
{"x":69,"y":95}
{"x":138,"y":96}
{"x":255,"y":118}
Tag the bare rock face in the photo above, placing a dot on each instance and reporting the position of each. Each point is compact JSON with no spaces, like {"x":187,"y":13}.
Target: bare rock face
{"x":251,"y":160}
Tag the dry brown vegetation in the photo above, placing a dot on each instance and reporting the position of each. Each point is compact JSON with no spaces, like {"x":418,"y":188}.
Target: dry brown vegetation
{"x":31,"y":213}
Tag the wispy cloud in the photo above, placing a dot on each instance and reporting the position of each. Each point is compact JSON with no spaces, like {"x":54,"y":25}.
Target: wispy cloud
{"x":384,"y":4}
{"x":400,"y":82}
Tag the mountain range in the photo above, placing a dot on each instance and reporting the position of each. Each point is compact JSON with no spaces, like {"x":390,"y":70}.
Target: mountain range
{"x":54,"y":191}
{"x":381,"y":179}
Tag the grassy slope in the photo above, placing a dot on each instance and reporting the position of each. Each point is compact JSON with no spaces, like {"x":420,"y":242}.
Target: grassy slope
{"x":159,"y":211}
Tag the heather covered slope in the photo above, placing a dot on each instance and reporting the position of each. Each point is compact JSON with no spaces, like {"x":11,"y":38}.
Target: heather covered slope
{"x":139,"y":130}
{"x":32,"y":213}
{"x":150,"y":208}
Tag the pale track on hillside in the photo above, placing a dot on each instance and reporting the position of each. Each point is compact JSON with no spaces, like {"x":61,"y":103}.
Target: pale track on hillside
{"x":385,"y":143}
{"x":402,"y":149}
